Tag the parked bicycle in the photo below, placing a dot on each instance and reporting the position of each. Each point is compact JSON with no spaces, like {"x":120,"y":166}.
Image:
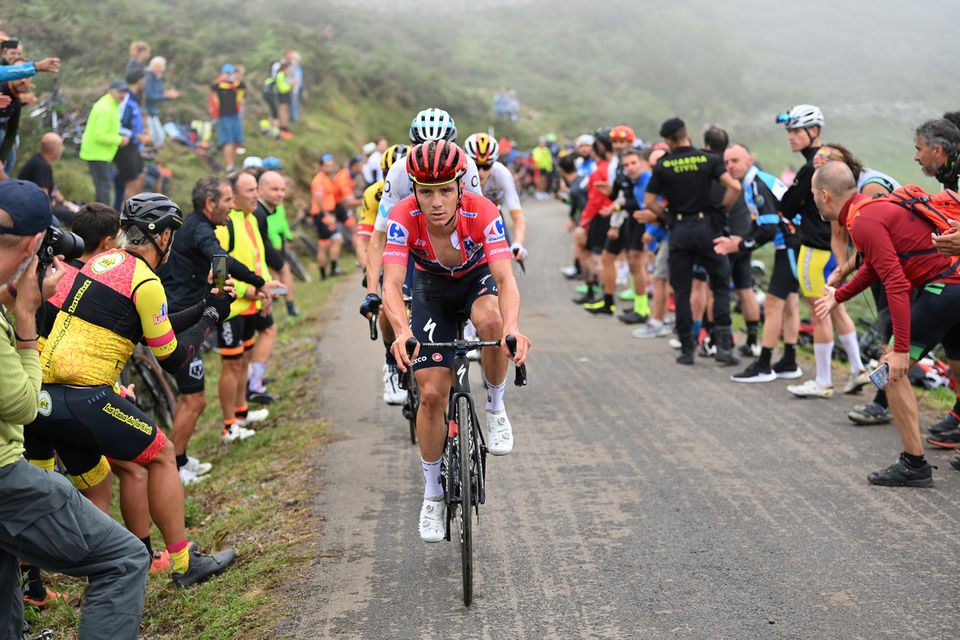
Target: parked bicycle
{"x":154,"y":387}
{"x":57,"y":114}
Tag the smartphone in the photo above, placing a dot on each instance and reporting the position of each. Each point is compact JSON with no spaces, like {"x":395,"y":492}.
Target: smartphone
{"x":279,"y":291}
{"x":219,"y":265}
{"x":881,"y":375}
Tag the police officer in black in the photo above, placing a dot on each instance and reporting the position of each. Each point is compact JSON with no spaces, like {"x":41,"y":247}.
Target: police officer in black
{"x":684,"y":177}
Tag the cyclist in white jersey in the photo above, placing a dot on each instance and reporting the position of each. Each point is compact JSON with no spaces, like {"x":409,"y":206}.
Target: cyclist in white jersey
{"x":498,"y":186}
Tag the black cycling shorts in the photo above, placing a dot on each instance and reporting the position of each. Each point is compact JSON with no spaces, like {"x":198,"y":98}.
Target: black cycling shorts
{"x":325,"y":232}
{"x":129,"y":163}
{"x":190,"y":377}
{"x":86,"y":424}
{"x":741,"y":272}
{"x":341,"y":213}
{"x":236,"y":335}
{"x":935,"y":319}
{"x":262,"y":323}
{"x":630,"y":238}
{"x":783,"y":280}
{"x":438,"y":303}
{"x":597,"y":233}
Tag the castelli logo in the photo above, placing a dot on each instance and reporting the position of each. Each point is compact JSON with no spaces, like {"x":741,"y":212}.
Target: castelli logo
{"x":437,"y":357}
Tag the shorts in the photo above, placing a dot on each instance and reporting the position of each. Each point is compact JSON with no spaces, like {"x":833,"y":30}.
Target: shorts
{"x":341,"y":213}
{"x":285,"y":98}
{"x":935,"y":319}
{"x":325,"y":232}
{"x":190,"y":377}
{"x":129,"y":163}
{"x":814,"y":266}
{"x":783,"y":280}
{"x":86,"y":425}
{"x":262,"y":323}
{"x":236,"y":335}
{"x":630,"y":238}
{"x":230,"y":129}
{"x":438,"y":303}
{"x":661,"y":265}
{"x":597,"y":233}
{"x":741,"y":273}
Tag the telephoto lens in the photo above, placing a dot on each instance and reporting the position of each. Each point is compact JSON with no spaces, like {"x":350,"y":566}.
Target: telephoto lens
{"x":58,"y":242}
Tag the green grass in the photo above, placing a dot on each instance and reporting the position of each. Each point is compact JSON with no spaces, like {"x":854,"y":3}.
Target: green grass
{"x":257,"y":499}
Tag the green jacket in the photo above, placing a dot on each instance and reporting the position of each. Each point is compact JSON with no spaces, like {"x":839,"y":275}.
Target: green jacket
{"x":277,"y":227}
{"x":101,"y":137}
{"x":19,"y":393}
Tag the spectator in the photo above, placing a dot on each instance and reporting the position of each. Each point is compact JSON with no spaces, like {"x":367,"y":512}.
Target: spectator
{"x":10,"y":50}
{"x":139,"y":53}
{"x":41,"y":513}
{"x":227,"y":103}
{"x":102,"y":138}
{"x":501,"y":103}
{"x":39,"y":170}
{"x":372,"y":172}
{"x":323,"y":205}
{"x":154,"y":95}
{"x":10,"y":122}
{"x":129,"y":158}
{"x":296,"y":71}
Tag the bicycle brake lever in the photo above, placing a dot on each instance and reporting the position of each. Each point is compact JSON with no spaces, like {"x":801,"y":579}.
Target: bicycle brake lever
{"x":521,"y":378}
{"x":373,"y":326}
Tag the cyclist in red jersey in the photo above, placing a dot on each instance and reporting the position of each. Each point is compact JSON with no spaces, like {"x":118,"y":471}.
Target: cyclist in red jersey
{"x":463,"y":266}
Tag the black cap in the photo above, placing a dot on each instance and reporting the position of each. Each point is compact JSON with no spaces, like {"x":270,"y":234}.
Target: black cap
{"x":117,"y":85}
{"x":670,"y":127}
{"x":28,"y":205}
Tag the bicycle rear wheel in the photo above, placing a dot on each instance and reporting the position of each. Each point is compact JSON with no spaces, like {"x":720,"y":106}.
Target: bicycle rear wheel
{"x":154,"y":394}
{"x":296,"y":266}
{"x":465,"y":480}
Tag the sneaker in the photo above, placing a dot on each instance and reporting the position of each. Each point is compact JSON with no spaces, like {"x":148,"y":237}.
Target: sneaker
{"x":570,"y":272}
{"x":584,"y":299}
{"x":432,"y":527}
{"x":870,"y":413}
{"x":48,"y":598}
{"x":581,"y":288}
{"x":651,"y":331}
{"x":499,"y":433}
{"x":188,"y":477}
{"x":160,"y":562}
{"x":900,"y":474}
{"x":811,"y":389}
{"x":260,"y":397}
{"x":787,"y":371}
{"x":197,"y":467}
{"x":256,"y":415}
{"x":945,"y":439}
{"x":600,"y":308}
{"x":750,"y":350}
{"x":203,"y":566}
{"x":392,"y":393}
{"x":856,"y":381}
{"x":631,"y":317}
{"x":674,"y":343}
{"x":754,"y":373}
{"x":948,"y":423}
{"x":628,"y":294}
{"x":237,"y":432}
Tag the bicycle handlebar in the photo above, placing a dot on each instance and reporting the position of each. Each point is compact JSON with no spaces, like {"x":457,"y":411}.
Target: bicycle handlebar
{"x":521,"y":376}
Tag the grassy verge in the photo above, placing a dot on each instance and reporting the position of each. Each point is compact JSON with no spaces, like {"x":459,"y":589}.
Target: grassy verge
{"x":256,"y":499}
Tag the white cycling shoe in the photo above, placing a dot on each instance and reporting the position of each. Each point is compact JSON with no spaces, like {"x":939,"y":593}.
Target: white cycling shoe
{"x":392,"y":393}
{"x":499,"y":433}
{"x":431,"y":525}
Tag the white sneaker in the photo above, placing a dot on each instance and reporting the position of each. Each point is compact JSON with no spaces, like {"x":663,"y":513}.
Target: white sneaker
{"x":570,"y":271}
{"x":811,"y":389}
{"x":651,"y":331}
{"x":675,"y":343}
{"x":196,"y":467}
{"x":188,"y":477}
{"x":432,"y":525}
{"x":499,"y":433}
{"x":392,"y":393}
{"x":237,"y":432}
{"x":254,"y":415}
{"x":856,"y":381}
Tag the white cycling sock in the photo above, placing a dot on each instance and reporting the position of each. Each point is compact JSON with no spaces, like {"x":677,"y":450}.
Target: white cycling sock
{"x":852,"y":347}
{"x":495,"y":394}
{"x":431,"y":476}
{"x":823,"y":353}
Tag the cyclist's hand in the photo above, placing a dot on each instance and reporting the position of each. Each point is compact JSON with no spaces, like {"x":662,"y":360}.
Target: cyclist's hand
{"x":523,"y":346}
{"x":399,"y":350}
{"x":228,"y":290}
{"x":519,"y":253}
{"x":128,"y":392}
{"x":725,"y":245}
{"x":29,"y":297}
{"x":823,"y":306}
{"x":899,"y":363}
{"x":370,"y":305}
{"x":606,"y":211}
{"x":48,"y":64}
{"x":613,"y":233}
{"x":570,"y":225}
{"x":836,"y":277}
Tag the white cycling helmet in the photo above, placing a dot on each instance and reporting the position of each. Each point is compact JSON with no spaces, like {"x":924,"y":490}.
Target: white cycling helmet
{"x":585,"y":139}
{"x":483,"y":148}
{"x":432,"y":124}
{"x":803,"y":116}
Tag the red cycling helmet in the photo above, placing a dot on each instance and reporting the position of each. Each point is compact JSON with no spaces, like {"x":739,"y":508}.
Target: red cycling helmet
{"x":622,"y":132}
{"x":436,"y":162}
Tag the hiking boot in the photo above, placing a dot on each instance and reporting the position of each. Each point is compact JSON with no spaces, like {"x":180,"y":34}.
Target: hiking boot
{"x":432,"y":526}
{"x":631,"y":317}
{"x":856,"y":381}
{"x":754,"y":373}
{"x":948,"y":423}
{"x":725,"y":353}
{"x":901,"y":474}
{"x":787,"y":370}
{"x":945,"y":439}
{"x":811,"y":389}
{"x":203,"y":566}
{"x":686,"y":350}
{"x":870,"y":413}
{"x":499,"y":433}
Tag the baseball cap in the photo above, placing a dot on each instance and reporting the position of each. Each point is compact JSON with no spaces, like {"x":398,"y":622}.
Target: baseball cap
{"x":325,"y":157}
{"x":670,"y":127}
{"x":227,"y":68}
{"x":252,"y":162}
{"x":28,"y":205}
{"x":271,"y":162}
{"x":117,"y":85}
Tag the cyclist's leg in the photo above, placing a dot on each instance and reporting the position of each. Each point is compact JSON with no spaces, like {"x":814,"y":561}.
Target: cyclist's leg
{"x":231,"y":356}
{"x":134,"y":501}
{"x":262,"y":350}
{"x":190,"y":404}
{"x":813,"y":268}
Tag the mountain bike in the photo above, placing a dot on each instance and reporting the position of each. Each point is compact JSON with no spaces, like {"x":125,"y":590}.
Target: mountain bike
{"x":463,"y":464}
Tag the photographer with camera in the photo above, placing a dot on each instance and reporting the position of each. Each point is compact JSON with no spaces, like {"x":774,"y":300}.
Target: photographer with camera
{"x":43,"y":519}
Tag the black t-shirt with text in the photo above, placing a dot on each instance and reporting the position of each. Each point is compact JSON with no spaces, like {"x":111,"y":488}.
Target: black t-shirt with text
{"x":684,"y":178}
{"x":814,"y":232}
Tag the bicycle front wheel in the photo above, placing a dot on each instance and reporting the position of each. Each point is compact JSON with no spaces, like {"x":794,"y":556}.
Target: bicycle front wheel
{"x":465,"y":480}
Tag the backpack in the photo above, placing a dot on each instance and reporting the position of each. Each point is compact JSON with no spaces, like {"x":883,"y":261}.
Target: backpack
{"x":936,"y":208}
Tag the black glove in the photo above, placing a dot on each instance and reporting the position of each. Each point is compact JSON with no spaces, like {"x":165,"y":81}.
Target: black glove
{"x":221,"y":305}
{"x":371,"y":304}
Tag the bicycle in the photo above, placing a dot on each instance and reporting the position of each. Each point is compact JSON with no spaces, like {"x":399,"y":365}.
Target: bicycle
{"x":153,"y":388}
{"x":297,"y":267}
{"x":58,"y":114}
{"x":463,"y":464}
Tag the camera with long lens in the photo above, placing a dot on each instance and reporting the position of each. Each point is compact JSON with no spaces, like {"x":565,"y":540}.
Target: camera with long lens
{"x":57,"y":242}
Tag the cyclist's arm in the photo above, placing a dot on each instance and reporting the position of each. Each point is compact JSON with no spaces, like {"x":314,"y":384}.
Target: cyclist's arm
{"x":511,"y":202}
{"x":508,"y":298}
{"x":839,"y":245}
{"x":375,"y":259}
{"x":733,"y":190}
